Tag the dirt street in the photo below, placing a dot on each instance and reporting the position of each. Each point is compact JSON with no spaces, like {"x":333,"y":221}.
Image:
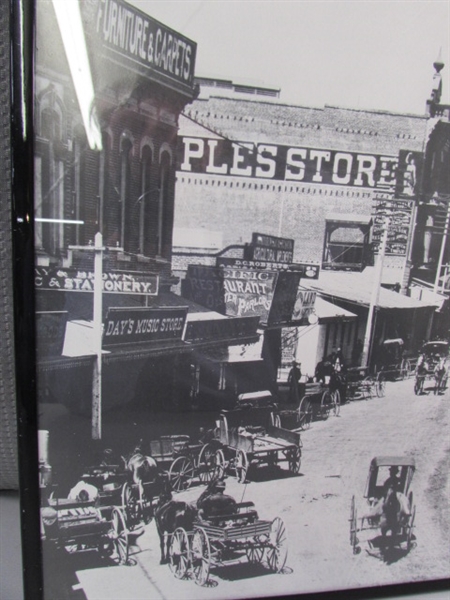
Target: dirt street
{"x":315,"y":507}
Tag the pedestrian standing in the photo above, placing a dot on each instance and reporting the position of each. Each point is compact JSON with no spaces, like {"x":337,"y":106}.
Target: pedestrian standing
{"x":293,"y":381}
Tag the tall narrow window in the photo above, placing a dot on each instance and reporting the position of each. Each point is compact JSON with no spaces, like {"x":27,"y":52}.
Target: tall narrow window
{"x":125,"y":193}
{"x":164,"y":180}
{"x":145,"y":197}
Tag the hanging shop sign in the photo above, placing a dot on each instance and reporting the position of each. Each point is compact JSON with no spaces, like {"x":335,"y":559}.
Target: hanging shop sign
{"x":113,"y":282}
{"x":304,"y":304}
{"x":287,"y":163}
{"x":141,"y":44}
{"x":236,"y":292}
{"x":221,"y":329}
{"x":134,"y":325}
{"x":308,"y":270}
{"x":270,"y":248}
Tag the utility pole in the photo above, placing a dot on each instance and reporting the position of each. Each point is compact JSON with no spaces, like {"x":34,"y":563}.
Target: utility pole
{"x":97,"y":338}
{"x":374,"y":296}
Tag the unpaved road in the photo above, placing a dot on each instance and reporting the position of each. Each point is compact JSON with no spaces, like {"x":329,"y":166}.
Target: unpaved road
{"x":315,"y":508}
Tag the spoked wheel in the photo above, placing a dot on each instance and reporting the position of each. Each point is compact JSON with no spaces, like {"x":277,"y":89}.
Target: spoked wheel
{"x":219,"y":459}
{"x":120,"y":536}
{"x":179,"y":553}
{"x":336,"y":402}
{"x":181,"y":473}
{"x":294,"y":459}
{"x":380,"y":386}
{"x":409,"y":542}
{"x":208,"y":467}
{"x":200,"y":556}
{"x":353,"y":528}
{"x":305,"y":413}
{"x":131,"y":506}
{"x":405,"y":368}
{"x":325,"y":405}
{"x":277,"y":549}
{"x":241,"y":465}
{"x":255,"y":552}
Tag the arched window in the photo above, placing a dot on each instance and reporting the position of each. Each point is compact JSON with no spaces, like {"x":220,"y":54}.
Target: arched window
{"x":163,"y":201}
{"x":49,"y":174}
{"x":124,"y":190}
{"x":145,"y":196}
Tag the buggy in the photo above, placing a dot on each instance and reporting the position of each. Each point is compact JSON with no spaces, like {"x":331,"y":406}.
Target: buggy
{"x":432,"y":366}
{"x":374,"y":514}
{"x":394,"y":363}
{"x":362,"y":386}
{"x":223,"y":538}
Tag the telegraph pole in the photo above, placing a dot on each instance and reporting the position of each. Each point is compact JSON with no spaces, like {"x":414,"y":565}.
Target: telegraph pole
{"x":97,"y":339}
{"x":374,"y":296}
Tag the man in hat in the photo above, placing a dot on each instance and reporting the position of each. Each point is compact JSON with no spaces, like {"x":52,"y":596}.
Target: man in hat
{"x":293,"y":381}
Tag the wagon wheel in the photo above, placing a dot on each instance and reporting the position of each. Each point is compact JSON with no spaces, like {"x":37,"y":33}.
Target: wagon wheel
{"x":409,"y":542}
{"x":325,"y":405}
{"x":241,"y":465}
{"x":405,"y":368}
{"x":200,"y":556}
{"x":277,"y":546}
{"x":208,"y":466}
{"x":179,"y":553}
{"x":255,"y":552}
{"x":120,"y":536}
{"x":131,"y":506}
{"x":275,"y":419}
{"x":181,"y":473}
{"x":293,"y":456}
{"x":380,"y":386}
{"x":336,"y":402}
{"x":305,"y":413}
{"x":354,"y":527}
{"x":367,"y":387}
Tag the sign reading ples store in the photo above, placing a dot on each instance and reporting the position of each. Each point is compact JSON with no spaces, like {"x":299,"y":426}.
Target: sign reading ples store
{"x":244,"y":292}
{"x":128,"y":326}
{"x":286,"y":163}
{"x":140,"y":43}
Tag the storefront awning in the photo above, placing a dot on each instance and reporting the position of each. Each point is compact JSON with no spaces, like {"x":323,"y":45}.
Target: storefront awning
{"x":356,"y":288}
{"x":328,"y":312}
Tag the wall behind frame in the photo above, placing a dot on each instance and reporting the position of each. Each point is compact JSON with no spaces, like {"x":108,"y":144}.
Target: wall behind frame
{"x":8,"y":426}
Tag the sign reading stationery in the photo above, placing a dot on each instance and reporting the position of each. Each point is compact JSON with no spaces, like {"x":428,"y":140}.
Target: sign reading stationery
{"x":130,"y":326}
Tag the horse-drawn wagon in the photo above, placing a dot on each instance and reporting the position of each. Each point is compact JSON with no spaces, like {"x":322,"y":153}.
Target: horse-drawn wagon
{"x":389,"y":505}
{"x":183,"y":460}
{"x":247,"y":437}
{"x":360,"y":385}
{"x":76,"y":525}
{"x":432,"y":366}
{"x":229,"y":533}
{"x":318,"y":401}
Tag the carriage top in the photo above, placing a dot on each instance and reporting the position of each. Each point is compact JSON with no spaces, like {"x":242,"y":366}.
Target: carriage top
{"x":437,"y":347}
{"x":406,"y":465}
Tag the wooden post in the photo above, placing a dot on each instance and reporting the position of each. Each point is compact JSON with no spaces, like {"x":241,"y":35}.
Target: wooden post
{"x":97,"y":337}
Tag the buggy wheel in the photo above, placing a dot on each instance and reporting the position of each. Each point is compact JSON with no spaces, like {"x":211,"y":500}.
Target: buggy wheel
{"x":275,"y":419}
{"x":255,"y":552}
{"x":294,"y":459}
{"x":277,"y":546}
{"x":380,"y":386}
{"x":208,"y":466}
{"x":305,"y":413}
{"x":120,"y":536}
{"x":131,"y":506}
{"x":409,"y":530}
{"x":181,"y":473}
{"x":179,"y":553}
{"x":405,"y":368}
{"x":353,"y":527}
{"x":241,"y":465}
{"x":219,"y":459}
{"x":325,"y":405}
{"x":200,"y":556}
{"x":336,"y":402}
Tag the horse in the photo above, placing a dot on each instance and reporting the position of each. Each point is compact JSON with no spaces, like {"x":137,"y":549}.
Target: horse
{"x":169,"y":515}
{"x":395,"y":511}
{"x":143,"y":468}
{"x":440,"y":372}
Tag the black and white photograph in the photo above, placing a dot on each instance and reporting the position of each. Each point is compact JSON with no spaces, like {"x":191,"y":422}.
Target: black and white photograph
{"x":241,"y":285}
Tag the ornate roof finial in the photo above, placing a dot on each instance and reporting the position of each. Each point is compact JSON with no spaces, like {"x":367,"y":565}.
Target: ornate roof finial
{"x":438,"y":64}
{"x":436,"y":89}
